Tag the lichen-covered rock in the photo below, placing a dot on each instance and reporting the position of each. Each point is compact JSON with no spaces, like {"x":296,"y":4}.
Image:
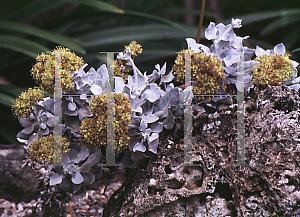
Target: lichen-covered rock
{"x":214,"y":185}
{"x":270,"y":185}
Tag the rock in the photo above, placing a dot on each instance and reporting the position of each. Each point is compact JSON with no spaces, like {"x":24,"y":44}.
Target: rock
{"x":20,"y":206}
{"x":16,"y":183}
{"x":213,"y":185}
{"x":5,"y":204}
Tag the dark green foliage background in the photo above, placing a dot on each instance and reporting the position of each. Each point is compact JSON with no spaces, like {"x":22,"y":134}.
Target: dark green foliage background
{"x":90,"y":26}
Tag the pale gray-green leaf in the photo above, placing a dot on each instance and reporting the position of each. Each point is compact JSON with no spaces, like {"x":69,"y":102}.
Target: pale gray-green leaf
{"x":153,"y":146}
{"x":139,"y":147}
{"x":55,"y":179}
{"x":149,"y":118}
{"x":77,"y":178}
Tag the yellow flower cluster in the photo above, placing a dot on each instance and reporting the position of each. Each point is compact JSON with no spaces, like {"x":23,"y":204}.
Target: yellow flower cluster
{"x":272,"y":70}
{"x":23,"y":105}
{"x":43,"y":71}
{"x":206,"y":72}
{"x":42,"y":150}
{"x":135,"y":48}
{"x":93,"y":131}
{"x":120,"y":67}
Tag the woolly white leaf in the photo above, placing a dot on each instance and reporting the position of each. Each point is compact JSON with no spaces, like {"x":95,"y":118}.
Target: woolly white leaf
{"x":77,"y":178}
{"x":126,"y":56}
{"x":152,"y":137}
{"x":147,"y":131}
{"x":230,"y":70}
{"x":162,"y":71}
{"x":237,"y":42}
{"x":197,"y":48}
{"x":147,"y":108}
{"x":295,"y":87}
{"x":279,"y":49}
{"x":236,"y":23}
{"x":139,"y":147}
{"x":83,"y":112}
{"x":211,"y":31}
{"x":22,"y":141}
{"x":225,"y":33}
{"x":170,"y":87}
{"x":259,"y":51}
{"x":157,"y":67}
{"x":49,"y":104}
{"x":231,"y":58}
{"x":137,"y":109}
{"x":119,"y":85}
{"x":296,"y":80}
{"x":25,"y":122}
{"x":169,"y":121}
{"x":72,"y":123}
{"x":103,"y":73}
{"x":95,"y":157}
{"x":55,"y":179}
{"x":86,"y":167}
{"x":71,"y":106}
{"x":157,"y":127}
{"x":294,"y":63}
{"x":151,"y":94}
{"x":150,"y":118}
{"x":96,"y":90}
{"x":43,"y":126}
{"x":70,"y":168}
{"x":43,"y":132}
{"x":81,"y":192}
{"x":136,"y":104}
{"x":153,"y":146}
{"x":143,"y":125}
{"x":65,"y":160}
{"x":28,"y":129}
{"x":72,"y":154}
{"x":89,"y":178}
{"x":232,"y":79}
{"x":140,"y":82}
{"x":133,"y":141}
{"x":167,"y":78}
{"x":83,"y":154}
{"x":75,"y":188}
{"x":250,"y":64}
{"x":153,"y":77}
{"x":130,"y":83}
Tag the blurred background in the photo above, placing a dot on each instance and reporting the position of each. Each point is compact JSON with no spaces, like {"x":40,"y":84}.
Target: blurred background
{"x":87,"y":27}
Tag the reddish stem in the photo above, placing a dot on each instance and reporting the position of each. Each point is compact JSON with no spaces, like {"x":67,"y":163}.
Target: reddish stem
{"x":200,"y":22}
